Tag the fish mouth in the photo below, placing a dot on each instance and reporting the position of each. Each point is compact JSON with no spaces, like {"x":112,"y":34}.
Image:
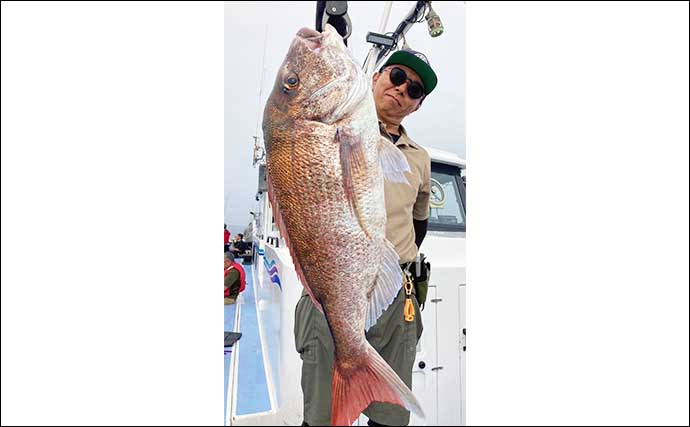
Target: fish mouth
{"x":310,"y":37}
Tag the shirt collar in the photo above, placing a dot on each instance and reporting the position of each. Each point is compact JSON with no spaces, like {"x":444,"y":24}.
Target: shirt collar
{"x":404,"y":140}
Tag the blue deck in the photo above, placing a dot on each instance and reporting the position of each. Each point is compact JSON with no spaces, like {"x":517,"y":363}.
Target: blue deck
{"x":251,"y":375}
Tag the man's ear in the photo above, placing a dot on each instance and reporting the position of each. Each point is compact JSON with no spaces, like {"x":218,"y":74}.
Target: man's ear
{"x":374,"y":79}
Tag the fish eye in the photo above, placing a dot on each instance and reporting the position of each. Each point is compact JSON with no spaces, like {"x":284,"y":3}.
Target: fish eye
{"x":290,"y":82}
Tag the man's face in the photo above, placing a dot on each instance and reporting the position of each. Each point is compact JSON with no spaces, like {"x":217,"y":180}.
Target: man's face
{"x":227,"y":263}
{"x":393,"y":103}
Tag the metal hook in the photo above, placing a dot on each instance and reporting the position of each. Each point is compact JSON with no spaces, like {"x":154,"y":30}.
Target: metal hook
{"x":334,"y":11}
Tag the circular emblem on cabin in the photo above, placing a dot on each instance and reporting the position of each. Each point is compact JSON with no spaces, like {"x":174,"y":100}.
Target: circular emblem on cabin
{"x":438,"y":196}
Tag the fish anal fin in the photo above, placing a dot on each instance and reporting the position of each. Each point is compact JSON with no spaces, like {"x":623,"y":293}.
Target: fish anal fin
{"x":387,"y":285}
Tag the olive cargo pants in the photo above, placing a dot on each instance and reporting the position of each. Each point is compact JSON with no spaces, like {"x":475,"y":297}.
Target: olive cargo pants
{"x":393,"y":337}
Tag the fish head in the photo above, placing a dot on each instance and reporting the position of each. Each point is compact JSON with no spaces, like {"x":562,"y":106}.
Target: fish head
{"x":319,"y":79}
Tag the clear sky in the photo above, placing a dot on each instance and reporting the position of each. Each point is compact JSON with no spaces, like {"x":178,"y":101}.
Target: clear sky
{"x":252,"y":28}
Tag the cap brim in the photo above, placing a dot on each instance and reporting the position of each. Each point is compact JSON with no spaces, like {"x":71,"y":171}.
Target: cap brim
{"x":426,"y":74}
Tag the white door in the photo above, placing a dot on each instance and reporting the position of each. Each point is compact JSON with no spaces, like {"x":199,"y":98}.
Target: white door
{"x":423,"y":377}
{"x":448,"y":313}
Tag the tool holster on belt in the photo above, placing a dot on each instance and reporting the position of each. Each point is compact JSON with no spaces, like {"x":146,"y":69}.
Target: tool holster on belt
{"x":422,"y":275}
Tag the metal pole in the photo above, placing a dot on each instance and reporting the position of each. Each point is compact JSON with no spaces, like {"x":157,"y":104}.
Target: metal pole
{"x":386,"y":13}
{"x":370,"y":62}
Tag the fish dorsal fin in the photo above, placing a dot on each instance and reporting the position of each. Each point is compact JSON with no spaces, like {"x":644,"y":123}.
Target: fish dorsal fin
{"x":280,"y":224}
{"x":393,"y":162}
{"x":353,"y":164}
{"x":387,"y":285}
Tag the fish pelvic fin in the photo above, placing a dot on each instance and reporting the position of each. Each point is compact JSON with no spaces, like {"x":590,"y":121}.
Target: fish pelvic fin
{"x":393,"y":162}
{"x":374,"y":381}
{"x":387,"y":285}
{"x":353,"y":164}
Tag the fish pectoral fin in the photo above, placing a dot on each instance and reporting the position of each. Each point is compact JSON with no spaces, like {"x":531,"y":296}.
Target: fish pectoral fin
{"x":386,"y":287}
{"x":393,"y":162}
{"x":353,"y":165}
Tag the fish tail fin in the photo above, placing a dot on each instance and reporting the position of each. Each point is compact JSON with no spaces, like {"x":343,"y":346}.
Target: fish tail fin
{"x":373,"y":381}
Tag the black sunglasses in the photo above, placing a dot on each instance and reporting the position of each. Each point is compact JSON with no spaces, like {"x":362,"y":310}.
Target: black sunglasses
{"x":398,"y":77}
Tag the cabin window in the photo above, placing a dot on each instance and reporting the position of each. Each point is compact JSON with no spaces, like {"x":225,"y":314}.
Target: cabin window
{"x":447,"y":199}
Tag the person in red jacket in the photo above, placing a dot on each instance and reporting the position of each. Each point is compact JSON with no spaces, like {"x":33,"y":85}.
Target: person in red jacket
{"x":227,"y":238}
{"x":235,"y":281}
